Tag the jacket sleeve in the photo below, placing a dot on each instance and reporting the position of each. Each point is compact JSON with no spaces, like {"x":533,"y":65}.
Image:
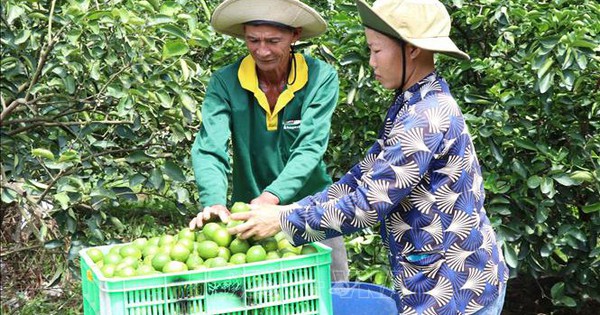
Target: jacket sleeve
{"x":345,"y":185}
{"x":311,"y":143}
{"x":388,"y":177}
{"x":210,"y":158}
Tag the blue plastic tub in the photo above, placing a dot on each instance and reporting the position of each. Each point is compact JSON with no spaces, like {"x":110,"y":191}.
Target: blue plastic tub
{"x":359,"y":298}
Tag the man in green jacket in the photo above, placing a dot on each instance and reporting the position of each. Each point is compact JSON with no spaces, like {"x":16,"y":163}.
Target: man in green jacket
{"x":275,"y":106}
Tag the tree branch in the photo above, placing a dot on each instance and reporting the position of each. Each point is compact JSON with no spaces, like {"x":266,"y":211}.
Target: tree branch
{"x":20,"y":90}
{"x":48,"y":123}
{"x":10,"y":108}
{"x":50,"y":21}
{"x":54,"y":180}
{"x":21,"y":193}
{"x":95,"y":155}
{"x":69,"y":170}
{"x":20,"y":249}
{"x":38,"y":71}
{"x":75,"y":123}
{"x":112,"y":78}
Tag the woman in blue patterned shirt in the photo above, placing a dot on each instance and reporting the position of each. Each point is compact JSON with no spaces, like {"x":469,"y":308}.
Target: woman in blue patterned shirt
{"x":420,"y":180}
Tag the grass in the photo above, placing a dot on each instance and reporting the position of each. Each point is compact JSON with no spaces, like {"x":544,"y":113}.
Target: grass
{"x":68,"y":303}
{"x":39,"y":281}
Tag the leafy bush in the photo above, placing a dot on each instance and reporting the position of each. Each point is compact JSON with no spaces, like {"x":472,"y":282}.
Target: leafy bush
{"x":101,"y":100}
{"x":532,"y":94}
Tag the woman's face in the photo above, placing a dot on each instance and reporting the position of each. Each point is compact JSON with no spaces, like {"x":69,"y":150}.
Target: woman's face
{"x":269,"y":46}
{"x":386,"y":59}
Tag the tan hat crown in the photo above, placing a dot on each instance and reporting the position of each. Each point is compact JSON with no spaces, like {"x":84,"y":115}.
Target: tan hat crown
{"x":229,"y":17}
{"x":423,"y":23}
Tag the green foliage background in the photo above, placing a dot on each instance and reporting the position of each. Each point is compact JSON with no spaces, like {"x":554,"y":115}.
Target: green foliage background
{"x":101,"y":101}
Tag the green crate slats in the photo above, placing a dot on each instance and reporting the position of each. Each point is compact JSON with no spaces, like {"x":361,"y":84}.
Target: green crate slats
{"x":298,"y":285}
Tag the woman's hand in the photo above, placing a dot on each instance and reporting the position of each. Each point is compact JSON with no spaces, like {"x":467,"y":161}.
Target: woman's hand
{"x":208,"y":213}
{"x":261,"y":222}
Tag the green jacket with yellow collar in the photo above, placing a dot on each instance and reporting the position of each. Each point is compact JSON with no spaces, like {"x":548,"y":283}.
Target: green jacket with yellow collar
{"x":279,"y":151}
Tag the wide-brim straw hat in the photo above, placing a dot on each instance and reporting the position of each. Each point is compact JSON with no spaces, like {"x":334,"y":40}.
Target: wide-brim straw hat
{"x":229,"y":17}
{"x":423,"y":23}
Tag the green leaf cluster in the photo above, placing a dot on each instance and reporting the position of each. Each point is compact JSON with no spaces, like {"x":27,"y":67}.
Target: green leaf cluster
{"x":531,"y":96}
{"x":100,"y":105}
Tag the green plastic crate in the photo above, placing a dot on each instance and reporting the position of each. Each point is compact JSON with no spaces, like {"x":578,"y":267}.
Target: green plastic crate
{"x":298,"y":285}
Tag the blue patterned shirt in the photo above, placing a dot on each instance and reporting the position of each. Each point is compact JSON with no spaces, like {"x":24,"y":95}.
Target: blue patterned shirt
{"x":422,"y":181}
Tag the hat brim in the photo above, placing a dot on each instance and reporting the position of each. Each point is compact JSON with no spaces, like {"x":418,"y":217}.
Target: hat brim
{"x":443,"y":45}
{"x":229,"y":17}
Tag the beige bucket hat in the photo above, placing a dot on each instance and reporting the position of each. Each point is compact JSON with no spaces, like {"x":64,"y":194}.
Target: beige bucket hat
{"x":229,"y":17}
{"x":423,"y":23}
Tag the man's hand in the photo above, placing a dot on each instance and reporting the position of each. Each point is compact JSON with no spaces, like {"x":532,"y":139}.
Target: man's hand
{"x":207,"y":213}
{"x":266,"y":198}
{"x":261,"y":222}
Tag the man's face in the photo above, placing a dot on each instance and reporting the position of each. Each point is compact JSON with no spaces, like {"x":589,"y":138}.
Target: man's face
{"x":270,"y":45}
{"x":386,"y":59}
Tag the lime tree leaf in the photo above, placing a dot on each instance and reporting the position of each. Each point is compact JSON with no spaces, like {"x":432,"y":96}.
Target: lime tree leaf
{"x":125,"y":192}
{"x":173,"y":30}
{"x":183,"y":195}
{"x":52,"y":244}
{"x":525,"y":144}
{"x":100,"y":191}
{"x":185,"y":70}
{"x":69,"y":155}
{"x":367,"y":275}
{"x":22,"y":37}
{"x":170,"y":8}
{"x":558,"y":290}
{"x":544,"y":69}
{"x":160,"y":19}
{"x":561,"y":255}
{"x":138,"y":156}
{"x":70,"y":84}
{"x":511,"y":256}
{"x":136,"y":179}
{"x":8,"y":195}
{"x":43,"y":153}
{"x":117,"y":223}
{"x":547,"y":185}
{"x":156,"y":178}
{"x":568,"y":301}
{"x":173,"y":171}
{"x":63,"y":199}
{"x":13,"y":13}
{"x":174,"y":48}
{"x":534,"y":182}
{"x":188,"y":102}
{"x":165,"y":100}
{"x":546,"y":82}
{"x":591,"y":208}
{"x":546,"y":250}
{"x":565,"y":180}
{"x":582,"y":176}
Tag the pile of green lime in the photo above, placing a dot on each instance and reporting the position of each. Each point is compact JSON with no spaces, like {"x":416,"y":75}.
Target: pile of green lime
{"x":210,"y":247}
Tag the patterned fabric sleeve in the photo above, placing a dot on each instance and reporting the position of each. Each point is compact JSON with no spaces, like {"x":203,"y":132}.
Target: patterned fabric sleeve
{"x":342,"y":187}
{"x":386,"y":178}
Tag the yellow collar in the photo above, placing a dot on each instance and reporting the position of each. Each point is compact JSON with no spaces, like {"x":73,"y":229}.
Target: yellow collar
{"x":249,"y":81}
